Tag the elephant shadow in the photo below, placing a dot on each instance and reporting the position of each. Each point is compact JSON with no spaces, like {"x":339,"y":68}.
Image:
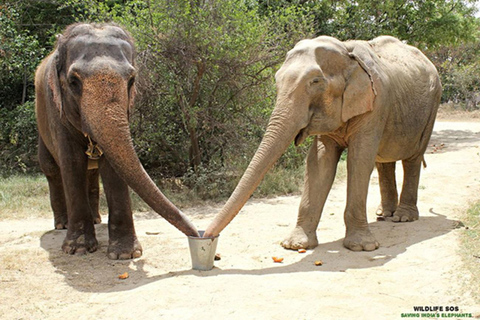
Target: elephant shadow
{"x":92,"y":272}
{"x":394,"y":239}
{"x":443,"y":141}
{"x":96,"y":273}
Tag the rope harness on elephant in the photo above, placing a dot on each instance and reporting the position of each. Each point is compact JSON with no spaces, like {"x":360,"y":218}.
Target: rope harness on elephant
{"x":94,"y":152}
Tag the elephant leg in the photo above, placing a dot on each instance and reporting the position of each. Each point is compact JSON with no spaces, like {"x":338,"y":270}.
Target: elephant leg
{"x":360,"y":163}
{"x":80,"y":237}
{"x":94,"y":194}
{"x":388,"y":189}
{"x":57,"y":196}
{"x":320,"y":172}
{"x":123,"y":242}
{"x":407,"y":209}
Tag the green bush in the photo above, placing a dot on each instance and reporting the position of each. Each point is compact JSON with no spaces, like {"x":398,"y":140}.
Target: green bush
{"x":18,"y":139}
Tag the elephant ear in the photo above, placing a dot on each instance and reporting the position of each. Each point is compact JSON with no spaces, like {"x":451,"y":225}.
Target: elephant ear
{"x":362,"y":82}
{"x":53,"y":81}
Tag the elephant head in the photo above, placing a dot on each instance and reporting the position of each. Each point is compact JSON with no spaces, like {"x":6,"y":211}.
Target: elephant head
{"x":92,"y":82}
{"x":321,"y":85}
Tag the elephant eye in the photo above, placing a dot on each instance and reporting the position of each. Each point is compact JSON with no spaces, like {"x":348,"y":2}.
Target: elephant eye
{"x":315,"y":80}
{"x":75,"y":84}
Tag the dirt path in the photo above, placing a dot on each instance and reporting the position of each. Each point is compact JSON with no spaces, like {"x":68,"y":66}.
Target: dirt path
{"x":418,"y":263}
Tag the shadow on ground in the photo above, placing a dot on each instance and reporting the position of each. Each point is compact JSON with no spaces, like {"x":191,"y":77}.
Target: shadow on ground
{"x":96,"y":273}
{"x":452,"y":140}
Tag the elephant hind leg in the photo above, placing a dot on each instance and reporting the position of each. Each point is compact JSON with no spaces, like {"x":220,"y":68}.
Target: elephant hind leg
{"x":388,"y":189}
{"x":407,"y":209}
{"x":94,"y":194}
{"x":54,"y":177}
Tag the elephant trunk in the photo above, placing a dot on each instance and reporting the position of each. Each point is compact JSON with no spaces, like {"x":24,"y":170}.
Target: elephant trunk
{"x":104,"y":110}
{"x":281,"y":131}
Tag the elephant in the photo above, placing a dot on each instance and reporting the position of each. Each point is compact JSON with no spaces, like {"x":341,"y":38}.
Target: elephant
{"x":376,"y":98}
{"x":85,"y":91}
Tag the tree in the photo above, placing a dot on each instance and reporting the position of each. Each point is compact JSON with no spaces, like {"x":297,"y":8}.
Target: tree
{"x":423,"y":23}
{"x":206,"y":72}
{"x":20,"y":52}
{"x":459,"y":67}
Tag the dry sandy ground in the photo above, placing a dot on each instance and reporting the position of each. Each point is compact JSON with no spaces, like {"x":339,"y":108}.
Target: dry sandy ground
{"x":418,"y":263}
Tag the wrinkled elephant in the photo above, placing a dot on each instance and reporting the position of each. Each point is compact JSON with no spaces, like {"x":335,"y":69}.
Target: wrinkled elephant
{"x":379,"y":99}
{"x":85,"y":91}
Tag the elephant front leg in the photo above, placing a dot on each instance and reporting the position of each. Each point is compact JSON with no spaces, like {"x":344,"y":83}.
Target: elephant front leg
{"x":388,"y":189}
{"x":123,"y":242}
{"x":360,"y":163}
{"x":407,"y":209}
{"x":319,"y":176}
{"x":80,"y":237}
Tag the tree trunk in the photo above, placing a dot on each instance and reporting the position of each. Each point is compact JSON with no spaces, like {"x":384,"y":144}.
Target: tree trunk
{"x":195,"y":157}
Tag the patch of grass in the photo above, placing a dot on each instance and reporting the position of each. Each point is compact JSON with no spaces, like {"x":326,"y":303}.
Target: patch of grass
{"x":24,"y":196}
{"x":280,"y":181}
{"x":471,"y":247}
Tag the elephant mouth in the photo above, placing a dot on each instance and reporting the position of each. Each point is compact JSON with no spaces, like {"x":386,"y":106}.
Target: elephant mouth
{"x":304,"y":133}
{"x":301,"y":136}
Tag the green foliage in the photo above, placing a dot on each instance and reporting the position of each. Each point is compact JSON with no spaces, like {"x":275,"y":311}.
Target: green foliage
{"x":206,"y":71}
{"x":206,"y":78}
{"x":24,"y":41}
{"x":425,"y":24}
{"x":20,"y":53}
{"x":18,"y":139}
{"x":459,"y":67}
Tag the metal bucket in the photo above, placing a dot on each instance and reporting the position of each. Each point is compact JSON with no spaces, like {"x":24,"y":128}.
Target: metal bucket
{"x":202,"y":251}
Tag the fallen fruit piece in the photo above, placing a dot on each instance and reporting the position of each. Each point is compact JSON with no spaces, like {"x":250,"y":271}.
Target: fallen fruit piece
{"x":123,"y":276}
{"x":302,"y":250}
{"x":277,"y":260}
{"x":217,"y":257}
{"x":318,"y":262}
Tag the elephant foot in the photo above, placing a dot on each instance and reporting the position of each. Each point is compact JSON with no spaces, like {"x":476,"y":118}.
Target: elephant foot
{"x":360,"y":240}
{"x":299,"y":239}
{"x":385,"y":211}
{"x":61,"y":222}
{"x":80,"y":245}
{"x":97,"y":219}
{"x":405,"y":213}
{"x":124,"y":248}
{"x":60,"y":225}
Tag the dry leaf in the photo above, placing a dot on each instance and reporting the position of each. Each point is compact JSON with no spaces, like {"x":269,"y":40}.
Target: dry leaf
{"x":302,"y":250}
{"x":217,"y":257}
{"x":318,"y":262}
{"x":123,"y":276}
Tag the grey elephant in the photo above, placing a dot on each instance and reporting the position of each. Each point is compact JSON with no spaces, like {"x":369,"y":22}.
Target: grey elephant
{"x":85,"y":91}
{"x":379,"y":99}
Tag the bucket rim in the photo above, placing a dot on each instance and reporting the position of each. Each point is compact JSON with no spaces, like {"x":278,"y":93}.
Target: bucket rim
{"x":201,"y":232}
